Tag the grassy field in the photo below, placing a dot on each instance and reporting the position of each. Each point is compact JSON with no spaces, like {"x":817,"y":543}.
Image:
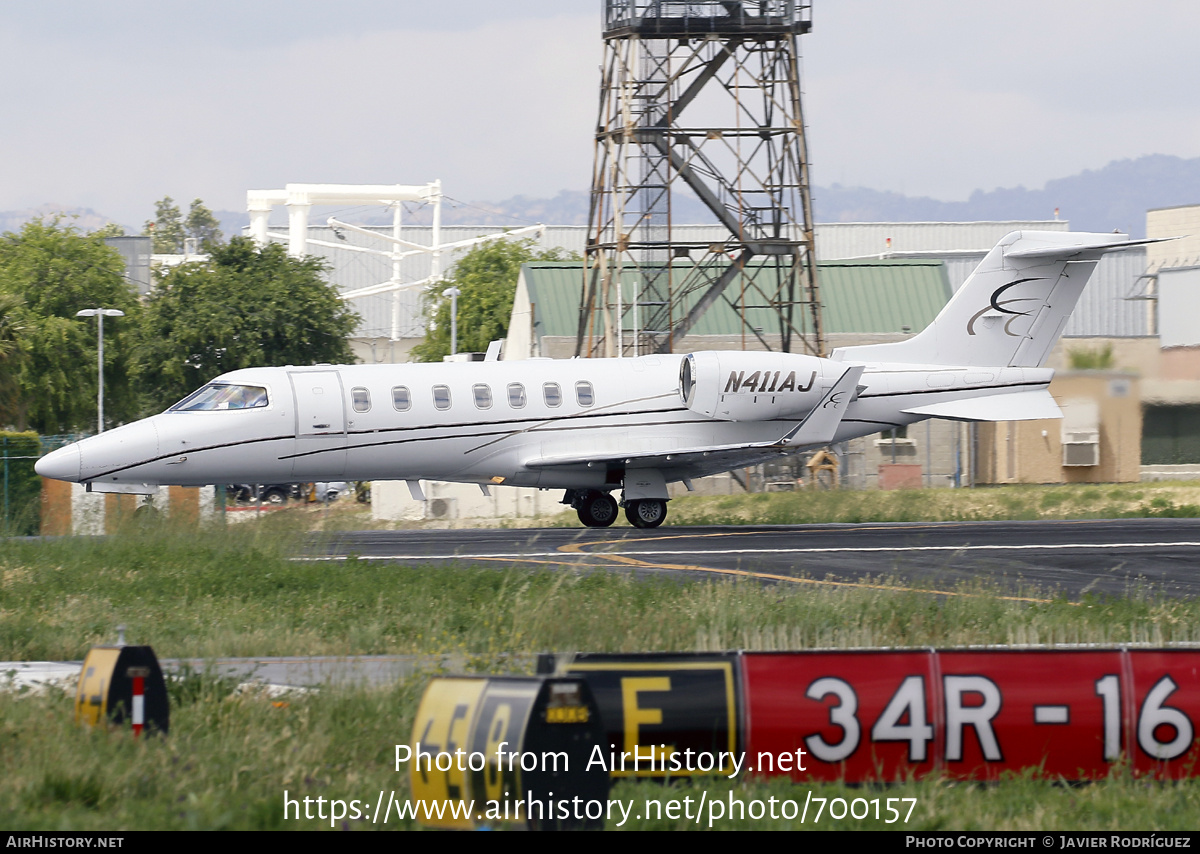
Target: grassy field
{"x":1059,"y":501}
{"x":232,"y":754}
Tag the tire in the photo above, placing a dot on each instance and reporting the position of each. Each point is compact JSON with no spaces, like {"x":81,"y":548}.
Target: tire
{"x":598,"y":510}
{"x":646,"y":513}
{"x":275,"y":496}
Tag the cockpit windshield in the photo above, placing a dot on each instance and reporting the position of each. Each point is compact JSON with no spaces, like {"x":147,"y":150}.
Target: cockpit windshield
{"x":222,"y":396}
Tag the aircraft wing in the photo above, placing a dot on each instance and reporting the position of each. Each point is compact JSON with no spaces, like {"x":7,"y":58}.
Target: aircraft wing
{"x":817,"y":428}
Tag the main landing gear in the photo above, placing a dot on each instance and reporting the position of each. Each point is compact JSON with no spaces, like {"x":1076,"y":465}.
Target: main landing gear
{"x":599,"y":509}
{"x":646,"y":512}
{"x":595,"y":509}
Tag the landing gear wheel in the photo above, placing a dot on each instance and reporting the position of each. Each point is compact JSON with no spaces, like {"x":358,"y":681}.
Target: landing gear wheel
{"x":598,"y":510}
{"x":646,"y":513}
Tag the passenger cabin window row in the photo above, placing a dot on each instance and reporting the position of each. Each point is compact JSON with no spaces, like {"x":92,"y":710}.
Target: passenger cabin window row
{"x":585,"y":395}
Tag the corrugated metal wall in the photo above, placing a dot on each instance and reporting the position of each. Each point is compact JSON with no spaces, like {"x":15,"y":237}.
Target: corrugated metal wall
{"x":1102,"y":312}
{"x":859,"y":239}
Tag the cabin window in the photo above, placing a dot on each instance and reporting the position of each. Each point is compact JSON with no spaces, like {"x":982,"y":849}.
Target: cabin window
{"x":553,"y":394}
{"x":216,"y":396}
{"x":401,"y":399}
{"x":483,"y":396}
{"x":441,"y":397}
{"x":584,"y":393}
{"x":361,"y":399}
{"x":516,"y":395}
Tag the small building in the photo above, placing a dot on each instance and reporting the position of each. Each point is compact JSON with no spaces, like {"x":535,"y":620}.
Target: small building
{"x":1098,"y":439}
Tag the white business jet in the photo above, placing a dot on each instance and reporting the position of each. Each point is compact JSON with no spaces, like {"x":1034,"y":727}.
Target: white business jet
{"x":593,"y":427}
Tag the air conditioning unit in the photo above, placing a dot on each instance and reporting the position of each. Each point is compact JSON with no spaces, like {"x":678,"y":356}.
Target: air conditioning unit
{"x":1081,"y":432}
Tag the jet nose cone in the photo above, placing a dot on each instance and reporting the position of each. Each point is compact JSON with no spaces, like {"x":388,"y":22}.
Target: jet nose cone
{"x":63,"y":464}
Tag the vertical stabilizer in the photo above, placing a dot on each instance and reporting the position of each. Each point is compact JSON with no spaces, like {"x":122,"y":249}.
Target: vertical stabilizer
{"x":1011,"y":310}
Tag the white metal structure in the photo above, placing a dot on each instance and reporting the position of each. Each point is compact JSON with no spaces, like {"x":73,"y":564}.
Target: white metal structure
{"x":300,"y":199}
{"x":593,"y":426}
{"x":100,"y":314}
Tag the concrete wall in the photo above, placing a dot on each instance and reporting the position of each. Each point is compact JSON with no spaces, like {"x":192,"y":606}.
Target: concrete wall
{"x":392,"y":501}
{"x":68,"y":508}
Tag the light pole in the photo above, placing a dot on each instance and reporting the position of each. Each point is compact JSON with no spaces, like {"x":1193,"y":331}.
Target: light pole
{"x":100,"y":314}
{"x":453,"y":294}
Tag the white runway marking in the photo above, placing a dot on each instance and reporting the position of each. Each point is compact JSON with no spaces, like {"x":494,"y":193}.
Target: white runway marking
{"x":679,"y":552}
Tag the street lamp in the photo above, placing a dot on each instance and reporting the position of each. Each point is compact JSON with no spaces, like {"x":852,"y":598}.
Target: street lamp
{"x":453,"y":294}
{"x":100,"y":314}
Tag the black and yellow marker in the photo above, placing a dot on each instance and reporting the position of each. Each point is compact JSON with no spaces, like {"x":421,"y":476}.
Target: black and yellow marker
{"x":106,"y":688}
{"x":514,"y":748}
{"x":660,"y":710}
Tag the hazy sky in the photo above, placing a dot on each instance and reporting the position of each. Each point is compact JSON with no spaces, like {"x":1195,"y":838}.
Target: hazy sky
{"x":114,"y":105}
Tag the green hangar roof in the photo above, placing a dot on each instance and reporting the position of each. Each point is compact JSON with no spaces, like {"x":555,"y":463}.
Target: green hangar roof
{"x":857,"y":296}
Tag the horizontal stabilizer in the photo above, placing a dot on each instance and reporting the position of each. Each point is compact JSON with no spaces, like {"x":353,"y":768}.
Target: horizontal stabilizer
{"x":1022,"y":406}
{"x":1101,"y":246}
{"x":123,"y":488}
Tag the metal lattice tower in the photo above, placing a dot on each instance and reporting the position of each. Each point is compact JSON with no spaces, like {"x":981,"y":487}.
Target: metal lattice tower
{"x":699,"y":99}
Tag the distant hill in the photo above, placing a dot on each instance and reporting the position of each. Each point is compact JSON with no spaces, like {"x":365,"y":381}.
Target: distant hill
{"x":1115,"y":197}
{"x":85,"y":219}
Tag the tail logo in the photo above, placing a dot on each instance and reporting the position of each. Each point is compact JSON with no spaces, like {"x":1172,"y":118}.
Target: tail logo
{"x":994,"y":304}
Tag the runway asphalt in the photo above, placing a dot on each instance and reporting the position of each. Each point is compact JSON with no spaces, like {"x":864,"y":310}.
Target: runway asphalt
{"x":1023,"y":559}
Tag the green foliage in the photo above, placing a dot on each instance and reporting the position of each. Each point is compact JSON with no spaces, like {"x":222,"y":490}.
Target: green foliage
{"x":169,"y":229}
{"x":50,"y":272}
{"x":110,"y":229}
{"x":487,"y":278}
{"x":203,"y":226}
{"x":1100,"y":359}
{"x":246,"y":307}
{"x":20,"y":486}
{"x":166,"y":228}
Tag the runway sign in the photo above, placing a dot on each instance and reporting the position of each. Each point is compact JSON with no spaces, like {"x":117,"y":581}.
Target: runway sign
{"x":516,"y":749}
{"x":886,"y":715}
{"x":662,"y":713}
{"x":122,"y":684}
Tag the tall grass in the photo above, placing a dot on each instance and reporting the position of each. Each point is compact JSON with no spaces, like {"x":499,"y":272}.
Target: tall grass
{"x":202,"y":596}
{"x":1022,"y":502}
{"x":232,"y":754}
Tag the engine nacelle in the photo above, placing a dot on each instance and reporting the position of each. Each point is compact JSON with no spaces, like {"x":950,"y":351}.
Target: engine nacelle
{"x":738,"y":386}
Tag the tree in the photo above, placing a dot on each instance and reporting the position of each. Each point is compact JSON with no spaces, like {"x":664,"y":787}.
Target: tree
{"x":487,"y":280}
{"x":203,"y":225}
{"x":170,"y":230}
{"x":245,"y":307}
{"x":166,"y":229}
{"x":10,"y":354}
{"x":50,"y":272}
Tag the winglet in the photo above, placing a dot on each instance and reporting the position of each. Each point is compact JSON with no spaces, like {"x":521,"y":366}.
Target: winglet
{"x":821,"y":424}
